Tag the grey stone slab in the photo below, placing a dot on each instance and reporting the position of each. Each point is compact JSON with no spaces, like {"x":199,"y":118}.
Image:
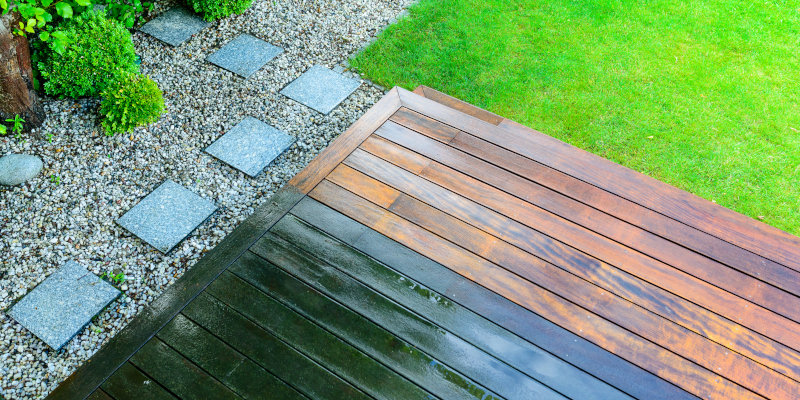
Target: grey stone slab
{"x":244,"y":55}
{"x":59,"y":307}
{"x":320,"y":89}
{"x":167,"y":215}
{"x":250,"y":146}
{"x":175,"y":26}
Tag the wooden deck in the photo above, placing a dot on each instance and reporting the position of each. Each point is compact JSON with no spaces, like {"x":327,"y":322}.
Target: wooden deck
{"x":436,"y":250}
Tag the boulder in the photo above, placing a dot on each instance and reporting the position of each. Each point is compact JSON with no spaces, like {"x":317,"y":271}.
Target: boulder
{"x":18,"y":168}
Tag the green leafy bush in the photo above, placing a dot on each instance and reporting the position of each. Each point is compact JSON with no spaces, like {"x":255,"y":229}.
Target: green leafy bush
{"x":216,"y":9}
{"x":99,"y":50}
{"x":130,"y":101}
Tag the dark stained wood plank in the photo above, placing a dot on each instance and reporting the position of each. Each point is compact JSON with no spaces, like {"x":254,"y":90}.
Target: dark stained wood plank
{"x":117,"y":351}
{"x":326,"y":349}
{"x":177,"y":374}
{"x":459,"y":105}
{"x":99,"y":394}
{"x":322,"y":164}
{"x":525,"y":184}
{"x":689,"y":315}
{"x":230,"y":367}
{"x":504,"y":345}
{"x":521,"y":216}
{"x":692,"y":210}
{"x":268,"y":351}
{"x":443,"y":345}
{"x":360,"y":332}
{"x":602,"y":302}
{"x":128,"y":383}
{"x":657,"y":360}
{"x":537,"y":330}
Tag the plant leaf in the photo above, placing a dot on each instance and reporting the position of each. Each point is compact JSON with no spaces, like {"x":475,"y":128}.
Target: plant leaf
{"x":44,"y":36}
{"x":83,"y":3}
{"x":64,"y":10}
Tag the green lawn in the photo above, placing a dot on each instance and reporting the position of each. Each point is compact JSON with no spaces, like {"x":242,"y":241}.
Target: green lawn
{"x":702,"y":95}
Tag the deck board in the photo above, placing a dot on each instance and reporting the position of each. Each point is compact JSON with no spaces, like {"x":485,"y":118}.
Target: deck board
{"x":439,"y":251}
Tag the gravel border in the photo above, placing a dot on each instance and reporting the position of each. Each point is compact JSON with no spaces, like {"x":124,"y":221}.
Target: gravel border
{"x":45,"y":223}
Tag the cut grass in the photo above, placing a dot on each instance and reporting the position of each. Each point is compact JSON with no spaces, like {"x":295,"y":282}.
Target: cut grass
{"x":701,"y":95}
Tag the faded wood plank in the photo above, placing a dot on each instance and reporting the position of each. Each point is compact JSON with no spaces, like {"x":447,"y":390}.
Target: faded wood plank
{"x":537,"y":330}
{"x":553,"y":190}
{"x":692,"y":210}
{"x":145,"y":325}
{"x":486,"y":211}
{"x":659,"y":361}
{"x":177,"y":374}
{"x":443,"y":345}
{"x":274,"y":355}
{"x":487,"y":336}
{"x":407,"y":360}
{"x":230,"y":367}
{"x":316,"y":343}
{"x":128,"y":383}
{"x":322,"y":164}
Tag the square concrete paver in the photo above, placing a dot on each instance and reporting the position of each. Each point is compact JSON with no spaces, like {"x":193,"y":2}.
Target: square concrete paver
{"x":175,"y":26}
{"x":250,"y":146}
{"x":59,"y":307}
{"x":167,"y":215}
{"x":320,"y":89}
{"x":244,"y":55}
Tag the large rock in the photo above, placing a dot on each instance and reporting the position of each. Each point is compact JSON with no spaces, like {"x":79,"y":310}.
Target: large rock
{"x":18,"y":168}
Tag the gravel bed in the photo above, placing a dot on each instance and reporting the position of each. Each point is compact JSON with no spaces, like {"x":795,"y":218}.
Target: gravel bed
{"x":89,"y":180}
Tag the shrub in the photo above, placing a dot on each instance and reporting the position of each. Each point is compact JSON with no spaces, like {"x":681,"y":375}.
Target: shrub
{"x":99,"y":50}
{"x":129,"y":101}
{"x":216,"y":9}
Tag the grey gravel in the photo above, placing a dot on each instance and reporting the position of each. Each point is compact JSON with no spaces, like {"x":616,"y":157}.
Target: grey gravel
{"x":43,"y":224}
{"x":59,"y":307}
{"x":15,"y":169}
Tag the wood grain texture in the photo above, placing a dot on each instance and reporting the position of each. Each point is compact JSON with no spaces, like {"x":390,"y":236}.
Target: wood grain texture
{"x":564,"y":344}
{"x":565,"y":188}
{"x":692,"y":210}
{"x":661,"y":362}
{"x":570,"y":238}
{"x":499,"y":249}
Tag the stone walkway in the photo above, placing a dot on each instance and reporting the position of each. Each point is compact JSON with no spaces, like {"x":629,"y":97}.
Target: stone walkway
{"x":63,"y":304}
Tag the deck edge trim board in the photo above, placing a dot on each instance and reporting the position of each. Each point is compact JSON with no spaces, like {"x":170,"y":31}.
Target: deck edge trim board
{"x":155,"y":316}
{"x":332,"y":155}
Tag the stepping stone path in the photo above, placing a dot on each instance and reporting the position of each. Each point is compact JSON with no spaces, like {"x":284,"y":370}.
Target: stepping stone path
{"x":167,"y":215}
{"x":250,"y":146}
{"x":244,"y":55}
{"x":15,"y":169}
{"x":320,"y":88}
{"x":174,"y":26}
{"x":59,"y":307}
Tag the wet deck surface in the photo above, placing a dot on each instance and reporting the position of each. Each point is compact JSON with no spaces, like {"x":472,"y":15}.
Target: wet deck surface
{"x":439,"y":251}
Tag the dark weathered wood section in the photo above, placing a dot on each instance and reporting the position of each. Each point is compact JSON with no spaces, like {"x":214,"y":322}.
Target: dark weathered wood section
{"x":436,"y":250}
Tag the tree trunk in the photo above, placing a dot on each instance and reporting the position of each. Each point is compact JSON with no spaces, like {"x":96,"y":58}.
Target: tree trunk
{"x":17,"y":96}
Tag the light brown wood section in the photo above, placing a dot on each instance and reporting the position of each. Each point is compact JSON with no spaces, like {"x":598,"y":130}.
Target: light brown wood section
{"x":693,"y":293}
